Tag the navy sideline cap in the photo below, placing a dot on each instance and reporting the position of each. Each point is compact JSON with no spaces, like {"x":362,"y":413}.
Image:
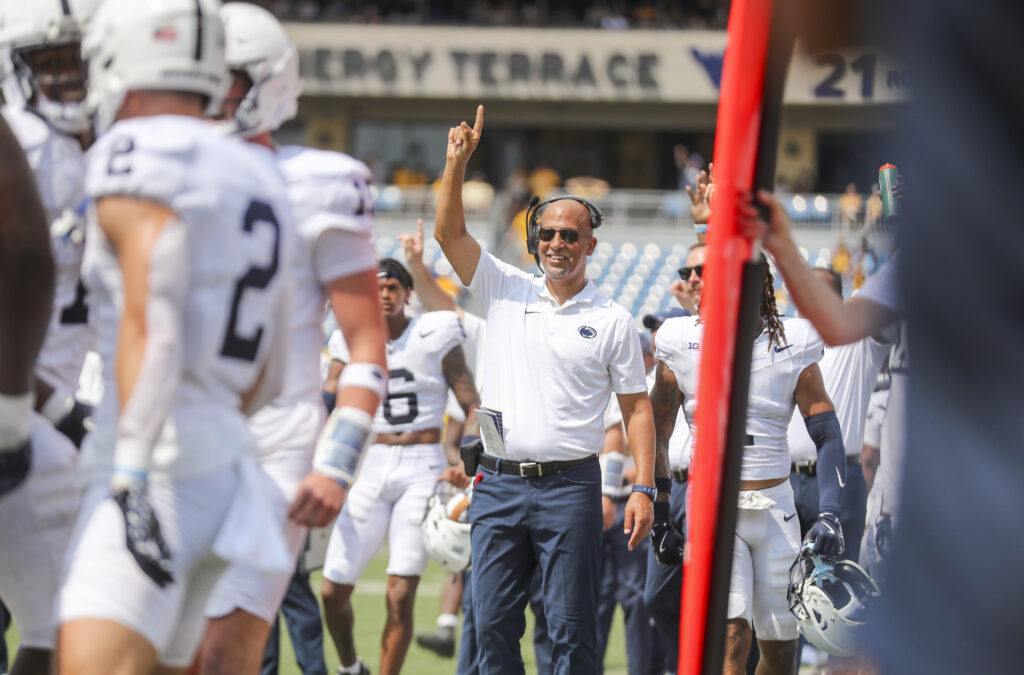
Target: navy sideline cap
{"x":653,"y":321}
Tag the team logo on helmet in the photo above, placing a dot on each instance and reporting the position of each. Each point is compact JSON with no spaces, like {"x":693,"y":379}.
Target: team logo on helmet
{"x":588,"y":332}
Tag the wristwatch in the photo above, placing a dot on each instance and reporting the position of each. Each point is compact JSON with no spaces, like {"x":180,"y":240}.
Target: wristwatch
{"x":651,"y":492}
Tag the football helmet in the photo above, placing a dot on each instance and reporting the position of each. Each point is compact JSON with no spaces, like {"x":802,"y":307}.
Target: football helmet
{"x":28,"y":30}
{"x":170,"y":45}
{"x":830,"y":600}
{"x":446,"y":530}
{"x":258,"y":46}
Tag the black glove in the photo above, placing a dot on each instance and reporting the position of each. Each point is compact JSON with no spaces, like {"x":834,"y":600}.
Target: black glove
{"x":142,"y":532}
{"x":77,"y":423}
{"x":667,"y":544}
{"x":883,"y":536}
{"x":825,"y":538}
{"x":14,"y":466}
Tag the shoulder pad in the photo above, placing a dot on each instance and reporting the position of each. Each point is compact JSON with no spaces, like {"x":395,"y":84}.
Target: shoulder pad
{"x":30,"y":130}
{"x":805,"y":339}
{"x":146,"y":158}
{"x":328,"y":190}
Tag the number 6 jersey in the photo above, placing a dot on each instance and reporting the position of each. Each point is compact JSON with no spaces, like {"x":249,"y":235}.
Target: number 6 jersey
{"x":417,"y":389}
{"x":232,"y":201}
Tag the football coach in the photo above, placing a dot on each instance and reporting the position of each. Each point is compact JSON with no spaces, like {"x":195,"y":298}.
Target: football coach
{"x":556,"y":350}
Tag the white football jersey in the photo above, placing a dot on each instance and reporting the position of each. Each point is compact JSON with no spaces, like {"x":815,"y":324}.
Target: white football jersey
{"x":232,"y":200}
{"x":59,"y":167}
{"x":327,"y":191}
{"x":417,"y":390}
{"x":774,"y":373}
{"x":849,"y":372}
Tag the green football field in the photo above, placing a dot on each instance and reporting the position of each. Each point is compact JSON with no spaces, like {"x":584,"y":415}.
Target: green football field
{"x":368,"y":602}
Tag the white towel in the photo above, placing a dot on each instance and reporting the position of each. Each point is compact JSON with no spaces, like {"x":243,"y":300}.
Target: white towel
{"x":251,"y":535}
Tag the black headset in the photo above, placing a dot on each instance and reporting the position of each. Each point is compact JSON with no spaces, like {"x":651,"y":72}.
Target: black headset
{"x":533,"y":214}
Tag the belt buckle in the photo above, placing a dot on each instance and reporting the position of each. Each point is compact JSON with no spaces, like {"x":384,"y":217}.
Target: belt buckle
{"x":523,"y":466}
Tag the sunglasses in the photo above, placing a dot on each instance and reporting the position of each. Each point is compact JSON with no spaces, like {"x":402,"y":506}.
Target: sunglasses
{"x":685,"y":272}
{"x":568,"y":236}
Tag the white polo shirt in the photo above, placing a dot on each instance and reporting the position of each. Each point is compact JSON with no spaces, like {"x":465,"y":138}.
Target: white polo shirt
{"x":550,"y":368}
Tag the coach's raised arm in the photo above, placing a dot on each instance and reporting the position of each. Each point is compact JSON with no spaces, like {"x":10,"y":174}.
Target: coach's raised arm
{"x":459,"y":246}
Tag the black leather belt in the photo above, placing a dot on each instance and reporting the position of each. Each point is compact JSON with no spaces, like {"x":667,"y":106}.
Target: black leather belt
{"x":530,"y":469}
{"x":680,"y":475}
{"x":809,"y":467}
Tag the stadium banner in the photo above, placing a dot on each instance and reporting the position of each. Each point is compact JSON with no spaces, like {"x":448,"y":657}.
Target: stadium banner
{"x":555,"y":64}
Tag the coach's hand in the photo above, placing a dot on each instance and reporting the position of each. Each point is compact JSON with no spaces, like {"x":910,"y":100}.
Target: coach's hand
{"x":142,"y":529}
{"x":462,"y":140}
{"x":639,"y":517}
{"x":14,"y":466}
{"x":317,"y":501}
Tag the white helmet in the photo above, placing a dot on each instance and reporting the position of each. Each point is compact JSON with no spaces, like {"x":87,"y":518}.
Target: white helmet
{"x":27,"y":26}
{"x":163,"y":45}
{"x":258,"y":46}
{"x":446,"y":530}
{"x":830,"y":601}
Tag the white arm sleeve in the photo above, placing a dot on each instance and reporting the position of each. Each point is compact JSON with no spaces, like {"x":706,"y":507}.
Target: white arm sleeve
{"x":156,"y":385}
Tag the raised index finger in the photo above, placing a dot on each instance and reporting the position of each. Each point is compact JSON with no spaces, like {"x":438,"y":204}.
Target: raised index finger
{"x":478,"y":126}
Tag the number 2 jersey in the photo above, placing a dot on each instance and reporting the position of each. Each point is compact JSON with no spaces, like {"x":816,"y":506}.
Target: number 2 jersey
{"x":232,"y":201}
{"x":417,"y":389}
{"x":58,"y":163}
{"x":773,"y":377}
{"x":330,"y":199}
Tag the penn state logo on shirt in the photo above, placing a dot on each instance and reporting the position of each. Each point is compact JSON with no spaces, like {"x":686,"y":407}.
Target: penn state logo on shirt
{"x":588,"y":332}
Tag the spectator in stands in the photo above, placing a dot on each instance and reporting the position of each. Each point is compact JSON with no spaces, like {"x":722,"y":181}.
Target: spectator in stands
{"x":587,"y":186}
{"x":864,"y":262}
{"x":849,"y":205}
{"x":477,"y":194}
{"x":543,"y":180}
{"x":873,"y":208}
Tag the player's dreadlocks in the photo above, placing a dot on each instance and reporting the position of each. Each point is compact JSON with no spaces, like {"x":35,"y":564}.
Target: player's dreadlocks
{"x":769,"y":311}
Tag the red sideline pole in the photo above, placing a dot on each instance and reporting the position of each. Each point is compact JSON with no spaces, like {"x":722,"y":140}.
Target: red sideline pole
{"x":736,"y":145}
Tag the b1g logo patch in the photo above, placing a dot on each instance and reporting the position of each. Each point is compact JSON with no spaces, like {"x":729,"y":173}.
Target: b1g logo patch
{"x":588,"y":332}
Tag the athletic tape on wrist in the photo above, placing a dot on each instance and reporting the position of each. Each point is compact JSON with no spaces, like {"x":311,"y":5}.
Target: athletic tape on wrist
{"x":347,"y":434}
{"x":664,"y":485}
{"x":131,"y":462}
{"x":612,"y":465}
{"x":365,"y":376}
{"x":15,"y":419}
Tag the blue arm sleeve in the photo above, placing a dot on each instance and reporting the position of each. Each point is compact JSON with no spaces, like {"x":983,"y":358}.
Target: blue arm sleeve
{"x":828,"y":440}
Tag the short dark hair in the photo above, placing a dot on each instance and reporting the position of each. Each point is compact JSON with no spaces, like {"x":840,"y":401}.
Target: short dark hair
{"x":392,"y":269}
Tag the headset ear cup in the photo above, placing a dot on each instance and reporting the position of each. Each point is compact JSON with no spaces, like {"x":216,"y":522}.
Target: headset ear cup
{"x":533,"y":228}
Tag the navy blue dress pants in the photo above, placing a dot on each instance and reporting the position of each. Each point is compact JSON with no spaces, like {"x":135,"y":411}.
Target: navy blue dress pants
{"x":552,"y":524}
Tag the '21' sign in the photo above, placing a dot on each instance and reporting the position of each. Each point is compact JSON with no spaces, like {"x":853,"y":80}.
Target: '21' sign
{"x":862,"y":75}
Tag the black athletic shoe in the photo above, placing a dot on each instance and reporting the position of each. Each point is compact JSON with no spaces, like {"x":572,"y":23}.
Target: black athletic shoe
{"x":441,"y":642}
